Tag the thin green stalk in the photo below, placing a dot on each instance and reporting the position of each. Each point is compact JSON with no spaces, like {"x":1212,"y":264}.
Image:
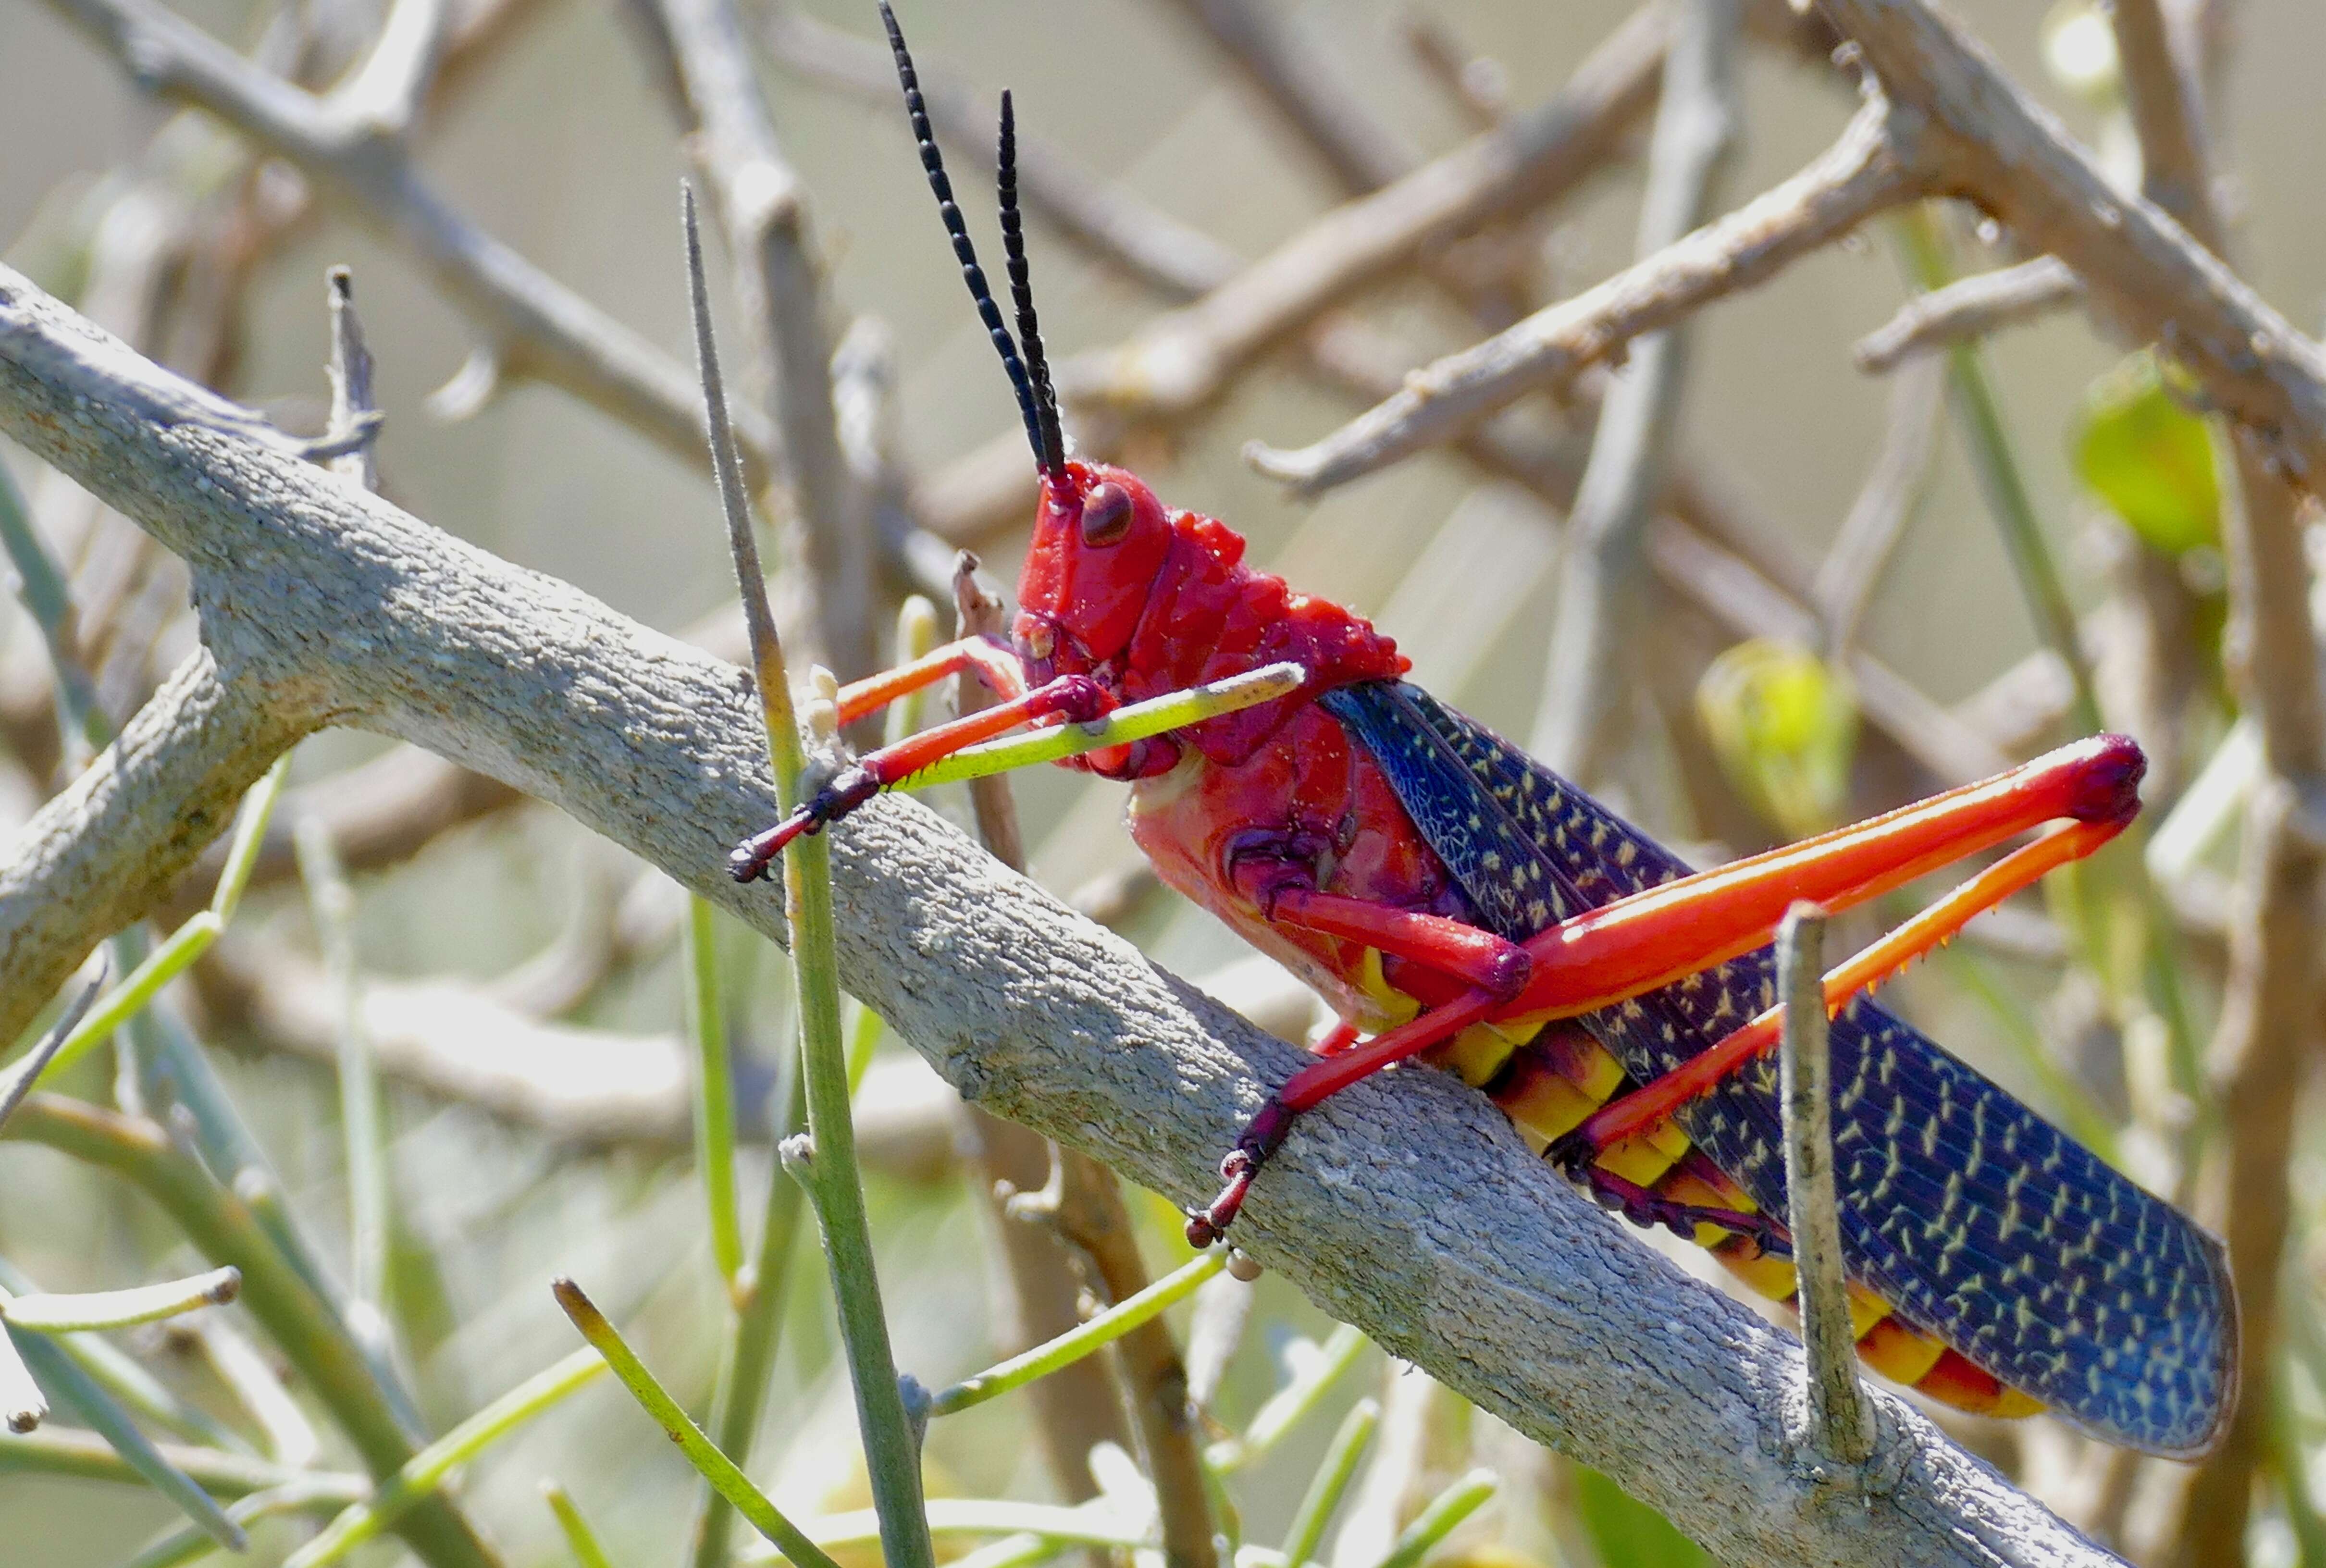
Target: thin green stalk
{"x":1092,"y":1523}
{"x":125,"y":1379}
{"x":41,"y":584}
{"x":1331,"y":1480}
{"x":891,"y":1447}
{"x":168,"y":961}
{"x":180,"y":1072}
{"x":701,"y":1452}
{"x":864,"y":1031}
{"x":916,"y":635}
{"x":37,"y":1060}
{"x":1448,"y":1508}
{"x":714,"y":1093}
{"x":64,"y":1381}
{"x":1999,"y":478}
{"x":331,"y":903}
{"x":1071,"y":1346}
{"x":86,"y":1456}
{"x":579,"y":1539}
{"x":173,"y":1548}
{"x":426,"y":1470}
{"x":185,"y":944}
{"x":251,"y":1381}
{"x":750,"y":1358}
{"x":302,"y":1324}
{"x":250,"y":819}
{"x":71,"y":1313}
{"x":1290,"y":1405}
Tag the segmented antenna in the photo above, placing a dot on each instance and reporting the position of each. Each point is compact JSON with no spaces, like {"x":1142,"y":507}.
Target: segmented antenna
{"x":1021,"y":292}
{"x":965,"y":251}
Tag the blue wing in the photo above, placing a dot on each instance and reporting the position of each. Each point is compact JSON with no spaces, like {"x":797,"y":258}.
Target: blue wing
{"x":1982,"y":1224}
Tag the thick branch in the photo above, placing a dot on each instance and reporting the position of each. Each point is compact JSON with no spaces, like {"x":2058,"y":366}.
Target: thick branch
{"x":1408,"y":1207}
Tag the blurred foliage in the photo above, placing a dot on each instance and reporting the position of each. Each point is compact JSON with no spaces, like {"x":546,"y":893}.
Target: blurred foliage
{"x":1783,"y":723}
{"x":2154,"y":463}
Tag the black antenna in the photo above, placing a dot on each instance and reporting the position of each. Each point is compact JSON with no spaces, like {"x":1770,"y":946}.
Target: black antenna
{"x":970,"y":272}
{"x":1022,"y":293}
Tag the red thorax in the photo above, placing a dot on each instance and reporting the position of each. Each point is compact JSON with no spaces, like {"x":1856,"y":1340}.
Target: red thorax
{"x":1148,"y":601}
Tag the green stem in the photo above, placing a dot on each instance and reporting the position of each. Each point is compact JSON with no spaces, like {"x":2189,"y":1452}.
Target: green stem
{"x":426,"y":1471}
{"x":715,"y":1467}
{"x":303,"y":1325}
{"x":58,"y":1314}
{"x":127,"y":1380}
{"x":43,"y":588}
{"x":714,"y":1092}
{"x":1332,"y":1479}
{"x":1290,"y":1405}
{"x":1172,"y":710}
{"x":67,"y":1383}
{"x":758,"y":1333}
{"x":1448,"y":1508}
{"x":1077,"y":1342}
{"x":579,"y":1539}
{"x":1082,"y":1525}
{"x":179,"y":1071}
{"x":891,"y":1448}
{"x":331,"y":901}
{"x":86,"y":1456}
{"x":168,"y":961}
{"x":305,"y":1495}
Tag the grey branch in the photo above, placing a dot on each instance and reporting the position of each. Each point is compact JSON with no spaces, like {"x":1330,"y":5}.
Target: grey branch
{"x":1586,"y":694}
{"x":1971,"y":308}
{"x":1406,"y":1206}
{"x":1839,"y":1428}
{"x":532,"y":323}
{"x":762,"y":211}
{"x":2002,"y":150}
{"x":1869,"y":169}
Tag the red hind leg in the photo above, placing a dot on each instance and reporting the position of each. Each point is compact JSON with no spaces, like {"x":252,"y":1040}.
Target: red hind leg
{"x":1649,"y":940}
{"x":1653,"y":1102}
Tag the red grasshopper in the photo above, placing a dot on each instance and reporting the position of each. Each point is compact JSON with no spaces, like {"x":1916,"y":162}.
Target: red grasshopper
{"x":1438,"y":885}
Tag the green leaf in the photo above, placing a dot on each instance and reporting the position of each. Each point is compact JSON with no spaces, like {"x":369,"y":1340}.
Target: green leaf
{"x":1628,"y":1534}
{"x":2149,"y":459}
{"x":1784,"y":725}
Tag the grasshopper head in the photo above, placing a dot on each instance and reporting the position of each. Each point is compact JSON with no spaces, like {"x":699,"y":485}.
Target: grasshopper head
{"x":1100,"y":538}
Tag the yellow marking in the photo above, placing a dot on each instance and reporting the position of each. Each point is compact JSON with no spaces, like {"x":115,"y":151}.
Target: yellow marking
{"x":1399,"y":1007}
{"x":1549,"y":1106}
{"x":1642,"y":1159}
{"x":1478,"y":1052}
{"x":1897,"y":1352}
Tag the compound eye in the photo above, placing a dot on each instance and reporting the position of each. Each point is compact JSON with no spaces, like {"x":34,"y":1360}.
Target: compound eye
{"x":1106,"y":514}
